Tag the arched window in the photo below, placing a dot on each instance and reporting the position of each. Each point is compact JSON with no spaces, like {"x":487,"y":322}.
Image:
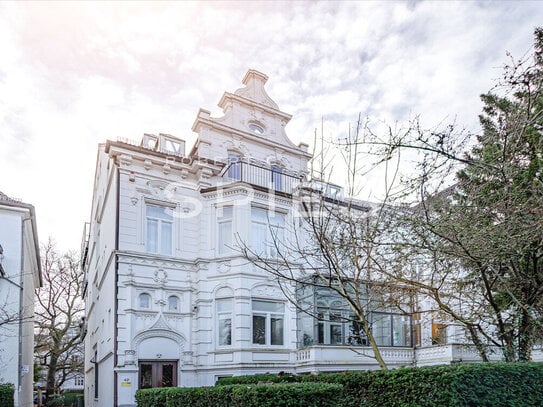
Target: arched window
{"x":145,"y":300}
{"x":173,"y":303}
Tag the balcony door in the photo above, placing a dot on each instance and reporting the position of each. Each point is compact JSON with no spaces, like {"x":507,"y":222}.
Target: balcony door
{"x":157,"y":374}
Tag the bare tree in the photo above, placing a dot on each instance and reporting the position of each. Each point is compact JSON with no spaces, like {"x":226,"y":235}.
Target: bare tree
{"x":328,"y":252}
{"x":58,"y":312}
{"x":472,"y":237}
{"x":457,"y":226}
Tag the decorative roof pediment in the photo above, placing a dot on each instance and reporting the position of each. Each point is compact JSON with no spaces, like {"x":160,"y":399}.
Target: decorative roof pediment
{"x":254,"y":82}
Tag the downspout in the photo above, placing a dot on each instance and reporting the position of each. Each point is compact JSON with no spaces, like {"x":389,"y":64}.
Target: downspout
{"x":116,"y":301}
{"x":21,"y":310}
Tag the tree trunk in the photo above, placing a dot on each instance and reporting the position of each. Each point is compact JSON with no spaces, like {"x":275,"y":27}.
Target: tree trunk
{"x":51,"y":373}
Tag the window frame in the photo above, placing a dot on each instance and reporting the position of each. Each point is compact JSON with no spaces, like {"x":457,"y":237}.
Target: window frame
{"x":176,"y":298}
{"x":268,"y":324}
{"x":141,"y":296}
{"x":160,"y":222}
{"x":274,"y":231}
{"x":221,"y":315}
{"x":223,"y":247}
{"x":234,"y":165}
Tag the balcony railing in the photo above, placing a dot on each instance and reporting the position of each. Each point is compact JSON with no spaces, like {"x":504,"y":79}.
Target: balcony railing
{"x":273,"y":178}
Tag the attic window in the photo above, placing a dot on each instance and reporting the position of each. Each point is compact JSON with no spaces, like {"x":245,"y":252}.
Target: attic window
{"x":149,"y":141}
{"x":172,"y":146}
{"x":256,"y":128}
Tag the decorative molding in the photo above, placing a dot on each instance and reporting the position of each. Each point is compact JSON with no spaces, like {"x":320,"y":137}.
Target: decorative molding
{"x":160,"y":323}
{"x":267,"y":291}
{"x":148,"y":259}
{"x":161,"y":277}
{"x":224,"y":267}
{"x":125,"y":160}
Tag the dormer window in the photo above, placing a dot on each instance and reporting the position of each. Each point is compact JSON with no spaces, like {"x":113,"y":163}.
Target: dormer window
{"x":149,"y":141}
{"x":163,"y":143}
{"x":172,"y":146}
{"x":256,"y":128}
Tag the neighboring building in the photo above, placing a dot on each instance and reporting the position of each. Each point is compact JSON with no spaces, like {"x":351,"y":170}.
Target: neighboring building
{"x":20,"y":275}
{"x":169,"y":302}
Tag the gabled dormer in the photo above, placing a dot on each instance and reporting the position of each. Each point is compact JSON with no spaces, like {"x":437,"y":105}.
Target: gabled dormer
{"x":252,"y":128}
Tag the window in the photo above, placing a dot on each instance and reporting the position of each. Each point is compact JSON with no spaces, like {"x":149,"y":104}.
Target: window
{"x":79,"y":381}
{"x":224,"y":322}
{"x":391,"y":329}
{"x":145,"y":301}
{"x":159,"y":229}
{"x":173,"y":303}
{"x":277,"y":177}
{"x":149,"y":141}
{"x":224,"y":219}
{"x":267,"y":232}
{"x":439,"y":334}
{"x":268,"y":322}
{"x":96,"y":374}
{"x":234,"y":166}
{"x":330,"y":328}
{"x":255,"y":128}
{"x":172,"y":146}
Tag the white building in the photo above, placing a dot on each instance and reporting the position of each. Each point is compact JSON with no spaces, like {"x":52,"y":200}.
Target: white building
{"x":20,"y":275}
{"x":169,"y":302}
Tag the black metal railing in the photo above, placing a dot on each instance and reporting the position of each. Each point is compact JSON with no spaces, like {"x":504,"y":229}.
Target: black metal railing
{"x":273,"y":177}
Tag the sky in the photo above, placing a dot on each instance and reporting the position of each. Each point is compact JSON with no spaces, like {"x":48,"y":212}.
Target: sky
{"x":75,"y":74}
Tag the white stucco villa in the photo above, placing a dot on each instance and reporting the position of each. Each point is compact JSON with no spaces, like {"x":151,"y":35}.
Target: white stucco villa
{"x":168,"y":300}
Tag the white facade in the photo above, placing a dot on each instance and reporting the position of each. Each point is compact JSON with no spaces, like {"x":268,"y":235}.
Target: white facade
{"x":169,"y":302}
{"x":20,"y":275}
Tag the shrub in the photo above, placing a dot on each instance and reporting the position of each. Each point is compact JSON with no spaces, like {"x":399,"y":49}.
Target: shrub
{"x":70,"y":398}
{"x":55,"y":400}
{"x":288,"y":395}
{"x":260,"y":378}
{"x":152,"y":397}
{"x":482,"y":384}
{"x":277,"y":395}
{"x":6,"y":395}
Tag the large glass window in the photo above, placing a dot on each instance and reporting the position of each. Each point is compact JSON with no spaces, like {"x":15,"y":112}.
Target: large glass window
{"x":330,"y":326}
{"x":224,"y":322}
{"x":224,"y":220}
{"x":326,"y":319}
{"x":268,"y":322}
{"x":267,"y":231}
{"x":159,"y":222}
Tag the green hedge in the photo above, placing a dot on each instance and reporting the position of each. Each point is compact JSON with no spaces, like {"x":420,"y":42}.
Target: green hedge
{"x":6,"y":395}
{"x":483,"y":384}
{"x":277,"y":395}
{"x":72,"y":398}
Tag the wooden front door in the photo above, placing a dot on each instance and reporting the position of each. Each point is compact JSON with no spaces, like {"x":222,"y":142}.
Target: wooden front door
{"x":157,"y":374}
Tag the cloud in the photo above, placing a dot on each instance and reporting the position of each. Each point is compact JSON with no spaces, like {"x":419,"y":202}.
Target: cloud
{"x":75,"y":74}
